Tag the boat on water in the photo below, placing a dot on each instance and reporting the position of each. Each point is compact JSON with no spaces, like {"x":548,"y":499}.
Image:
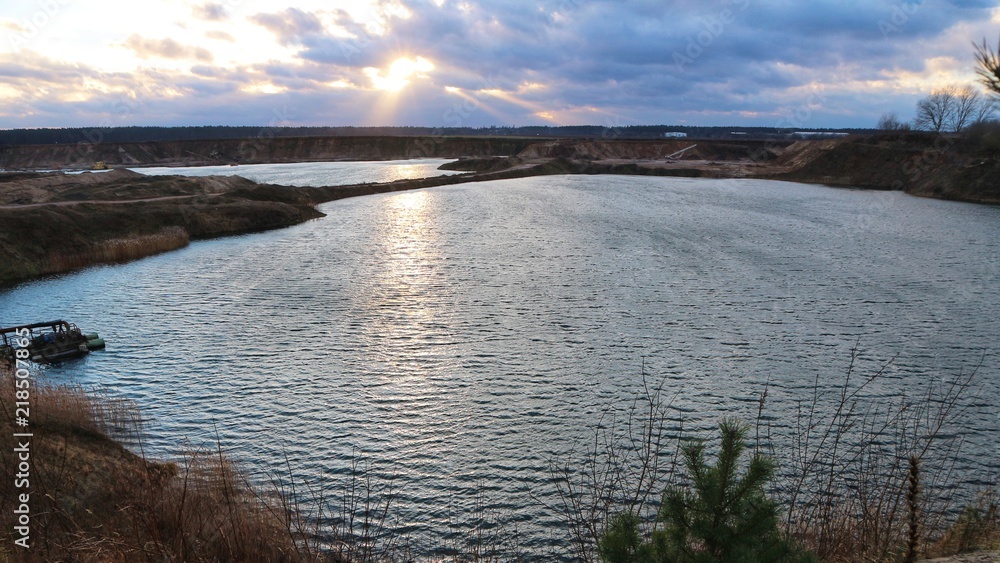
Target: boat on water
{"x":50,"y":342}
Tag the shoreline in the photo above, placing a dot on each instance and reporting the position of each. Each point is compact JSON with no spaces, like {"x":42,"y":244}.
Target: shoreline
{"x":57,"y":222}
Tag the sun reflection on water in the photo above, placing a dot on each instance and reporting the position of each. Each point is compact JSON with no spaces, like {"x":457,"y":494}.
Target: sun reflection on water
{"x":409,"y":236}
{"x":405,"y":277}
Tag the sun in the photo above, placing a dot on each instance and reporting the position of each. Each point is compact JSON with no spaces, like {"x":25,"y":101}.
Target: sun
{"x":399,"y":73}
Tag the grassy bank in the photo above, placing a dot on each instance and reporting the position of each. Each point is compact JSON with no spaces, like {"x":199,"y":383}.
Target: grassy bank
{"x":61,"y":223}
{"x":93,"y":500}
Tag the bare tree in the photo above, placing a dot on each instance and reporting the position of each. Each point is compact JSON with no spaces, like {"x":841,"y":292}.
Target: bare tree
{"x":936,"y":111}
{"x":970,"y":107}
{"x":891,"y":122}
{"x":985,"y":111}
{"x":988,"y":62}
{"x":953,"y":108}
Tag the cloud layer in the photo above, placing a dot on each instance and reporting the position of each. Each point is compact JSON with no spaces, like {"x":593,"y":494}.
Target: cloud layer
{"x":606,"y":62}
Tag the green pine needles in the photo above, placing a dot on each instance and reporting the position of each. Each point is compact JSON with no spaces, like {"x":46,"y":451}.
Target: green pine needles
{"x":721,"y":517}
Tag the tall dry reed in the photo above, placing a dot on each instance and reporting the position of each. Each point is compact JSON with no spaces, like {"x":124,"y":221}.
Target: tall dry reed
{"x":93,"y":500}
{"x":120,"y":249}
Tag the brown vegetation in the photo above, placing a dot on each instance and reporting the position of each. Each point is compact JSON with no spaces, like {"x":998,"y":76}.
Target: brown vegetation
{"x":62,"y":222}
{"x":866,"y":480}
{"x":93,"y":500}
{"x":119,"y":250}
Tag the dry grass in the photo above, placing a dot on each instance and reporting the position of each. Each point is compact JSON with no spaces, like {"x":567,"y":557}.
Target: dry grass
{"x":92,"y":500}
{"x":121,"y":249}
{"x":978,"y":527}
{"x":846,"y":490}
{"x":625,"y":469}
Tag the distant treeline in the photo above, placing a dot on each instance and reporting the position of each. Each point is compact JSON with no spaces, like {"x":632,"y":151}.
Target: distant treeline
{"x":146,"y":134}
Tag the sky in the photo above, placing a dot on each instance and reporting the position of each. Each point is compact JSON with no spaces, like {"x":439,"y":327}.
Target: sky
{"x":444,"y":63}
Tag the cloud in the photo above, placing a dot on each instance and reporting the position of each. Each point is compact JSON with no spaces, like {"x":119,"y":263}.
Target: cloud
{"x":166,"y":49}
{"x":220,"y":36}
{"x":289,"y":26}
{"x":600,"y":61}
{"x":210,"y":12}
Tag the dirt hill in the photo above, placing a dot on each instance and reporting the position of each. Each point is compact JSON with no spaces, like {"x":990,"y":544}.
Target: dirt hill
{"x":922,"y":164}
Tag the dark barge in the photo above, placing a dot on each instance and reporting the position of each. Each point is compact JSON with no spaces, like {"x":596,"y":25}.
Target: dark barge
{"x":49,"y":342}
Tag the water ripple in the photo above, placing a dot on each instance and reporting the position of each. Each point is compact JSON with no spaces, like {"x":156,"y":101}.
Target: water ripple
{"x":463,"y":338}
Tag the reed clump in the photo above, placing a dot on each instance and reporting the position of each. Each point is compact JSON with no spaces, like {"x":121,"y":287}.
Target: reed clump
{"x":120,"y":249}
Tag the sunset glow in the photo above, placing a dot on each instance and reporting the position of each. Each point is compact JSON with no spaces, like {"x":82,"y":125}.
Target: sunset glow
{"x":399,"y":73}
{"x":338,"y":62}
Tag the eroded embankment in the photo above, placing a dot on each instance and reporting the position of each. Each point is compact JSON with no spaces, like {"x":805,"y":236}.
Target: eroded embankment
{"x":72,"y":493}
{"x":251,"y":151}
{"x":313,"y":149}
{"x":60,"y":223}
{"x":921,"y":164}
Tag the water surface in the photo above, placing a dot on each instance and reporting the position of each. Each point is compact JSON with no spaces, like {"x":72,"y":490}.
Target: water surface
{"x":465,"y":337}
{"x":316,"y":173}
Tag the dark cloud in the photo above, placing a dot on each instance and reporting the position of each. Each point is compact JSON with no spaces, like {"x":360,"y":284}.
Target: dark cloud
{"x":643,"y":61}
{"x":29,"y":66}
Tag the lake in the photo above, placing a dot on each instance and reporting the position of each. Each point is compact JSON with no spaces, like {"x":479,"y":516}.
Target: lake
{"x":465,"y":338}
